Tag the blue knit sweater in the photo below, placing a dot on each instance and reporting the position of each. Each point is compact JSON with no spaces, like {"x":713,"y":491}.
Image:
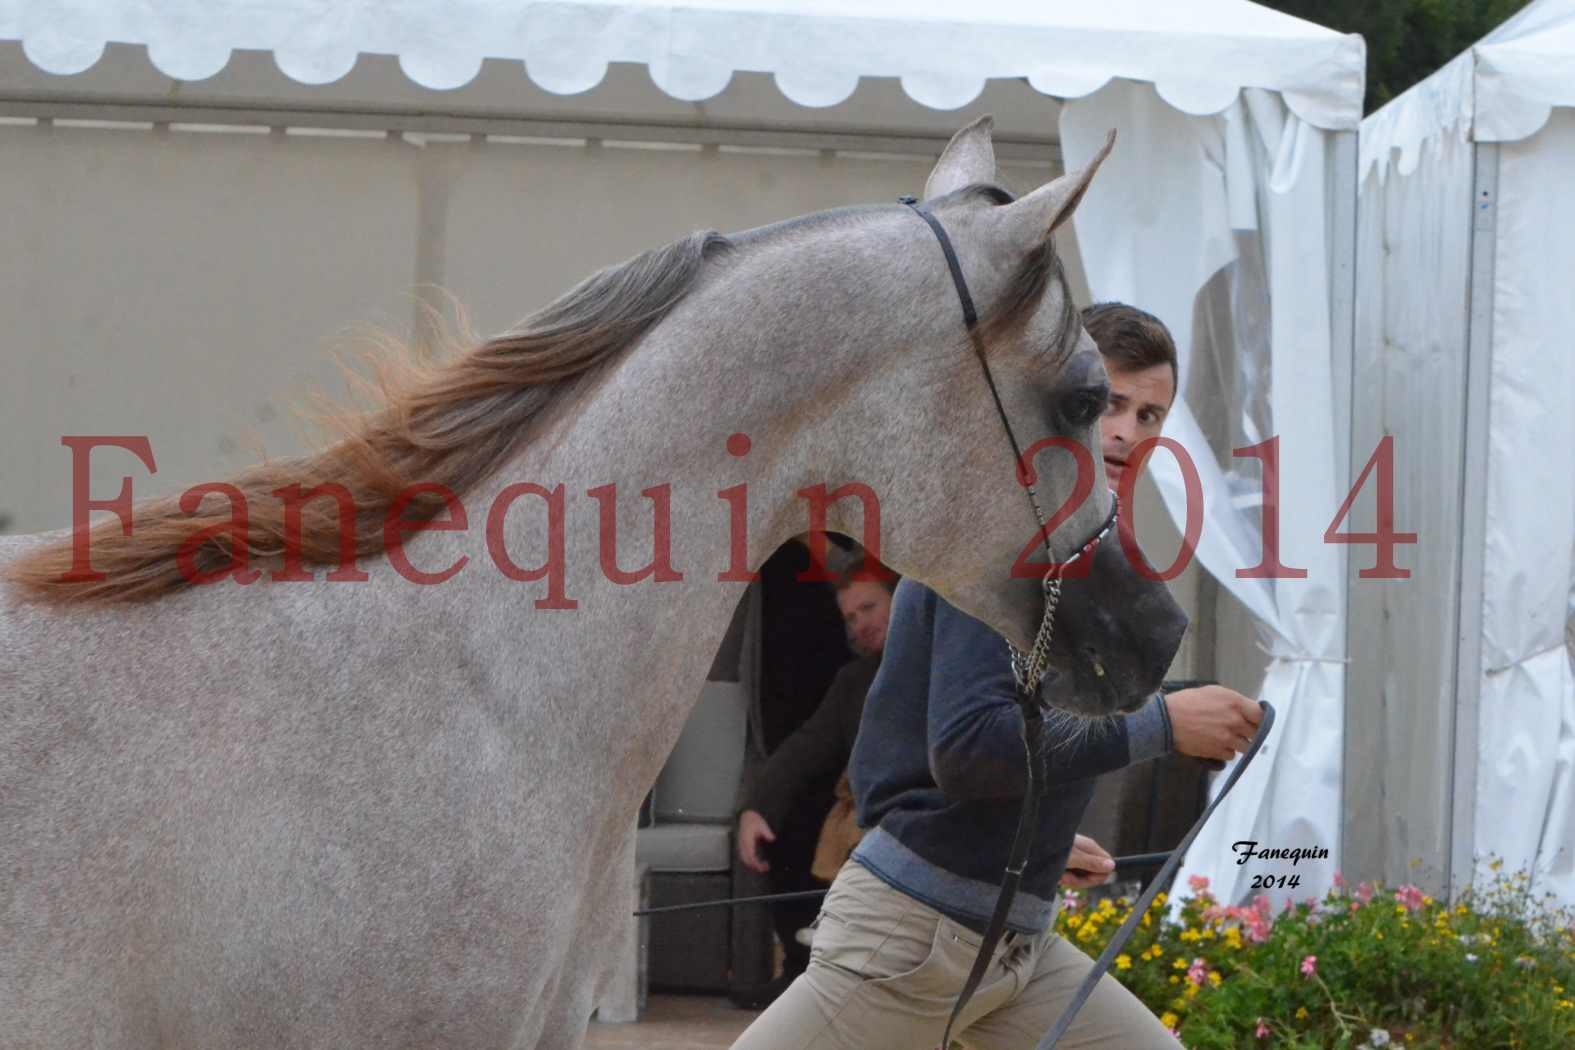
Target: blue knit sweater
{"x":939,"y":768}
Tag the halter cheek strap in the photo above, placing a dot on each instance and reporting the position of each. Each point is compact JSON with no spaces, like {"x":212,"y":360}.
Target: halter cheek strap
{"x":1028,"y":669}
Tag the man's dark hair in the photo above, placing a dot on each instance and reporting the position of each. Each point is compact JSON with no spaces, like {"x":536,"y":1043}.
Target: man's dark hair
{"x":878,"y":574}
{"x":1130,"y":339}
{"x":848,"y":567}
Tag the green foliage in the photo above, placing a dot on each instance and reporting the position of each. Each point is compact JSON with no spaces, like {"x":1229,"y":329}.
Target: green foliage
{"x":1406,"y":39}
{"x":1356,"y":970}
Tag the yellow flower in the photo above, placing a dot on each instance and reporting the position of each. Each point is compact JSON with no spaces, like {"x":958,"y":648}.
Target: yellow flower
{"x":1168,"y":1019}
{"x":1301,"y":1013}
{"x":1215,"y":978}
{"x":1179,"y":964}
{"x":1123,"y":961}
{"x":1074,"y":922}
{"x":1174,"y":979}
{"x":1191,"y":991}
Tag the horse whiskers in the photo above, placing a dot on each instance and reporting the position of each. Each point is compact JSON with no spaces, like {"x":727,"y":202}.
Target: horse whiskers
{"x":1069,"y":730}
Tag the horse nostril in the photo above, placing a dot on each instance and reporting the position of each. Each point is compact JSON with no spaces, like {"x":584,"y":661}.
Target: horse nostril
{"x":1092,"y":656}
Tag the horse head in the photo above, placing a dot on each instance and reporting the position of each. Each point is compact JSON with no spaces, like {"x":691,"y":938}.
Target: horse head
{"x":956,"y":512}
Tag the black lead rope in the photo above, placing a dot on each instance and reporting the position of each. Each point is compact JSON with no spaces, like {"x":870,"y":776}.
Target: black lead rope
{"x":1140,"y":909}
{"x":1134,"y":860}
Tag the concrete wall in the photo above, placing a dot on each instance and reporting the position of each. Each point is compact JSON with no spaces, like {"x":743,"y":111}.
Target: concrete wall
{"x":194,"y":286}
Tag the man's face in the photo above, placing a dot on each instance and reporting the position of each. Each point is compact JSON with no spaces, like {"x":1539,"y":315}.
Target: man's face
{"x":1139,"y":399}
{"x":866,"y":606}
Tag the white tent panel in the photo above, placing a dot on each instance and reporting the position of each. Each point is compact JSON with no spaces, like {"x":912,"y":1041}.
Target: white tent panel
{"x":1199,"y":55}
{"x":1524,"y":71}
{"x":1271,"y":175}
{"x":1503,"y":88}
{"x":1527,"y":712}
{"x":1410,"y":382}
{"x":1466,"y":223}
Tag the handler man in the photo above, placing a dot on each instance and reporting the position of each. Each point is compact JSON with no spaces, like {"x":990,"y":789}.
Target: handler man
{"x":938,"y":774}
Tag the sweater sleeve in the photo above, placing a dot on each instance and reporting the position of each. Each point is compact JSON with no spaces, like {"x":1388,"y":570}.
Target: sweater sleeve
{"x":818,"y":749}
{"x":975,"y":729}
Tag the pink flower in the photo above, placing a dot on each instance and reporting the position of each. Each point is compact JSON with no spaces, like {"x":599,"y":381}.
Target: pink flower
{"x":1257,"y":929}
{"x":1262,"y":904}
{"x":1364,"y":892}
{"x":1198,"y":882}
{"x":1263,"y":1030}
{"x":1409,"y":896}
{"x":1355,"y":906}
{"x":1198,"y":972}
{"x":1309,"y":966}
{"x":1339,"y":881}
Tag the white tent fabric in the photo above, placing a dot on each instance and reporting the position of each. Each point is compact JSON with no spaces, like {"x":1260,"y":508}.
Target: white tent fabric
{"x":1504,"y":107}
{"x":1502,"y":89}
{"x":1198,"y":55}
{"x":1235,"y":152}
{"x":1525,"y":806}
{"x":1269,"y":176}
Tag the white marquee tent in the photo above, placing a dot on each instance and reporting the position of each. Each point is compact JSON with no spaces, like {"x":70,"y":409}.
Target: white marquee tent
{"x":1463,"y":694}
{"x":1228,"y":208}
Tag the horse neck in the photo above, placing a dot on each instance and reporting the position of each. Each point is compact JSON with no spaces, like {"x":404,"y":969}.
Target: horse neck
{"x":728,"y":361}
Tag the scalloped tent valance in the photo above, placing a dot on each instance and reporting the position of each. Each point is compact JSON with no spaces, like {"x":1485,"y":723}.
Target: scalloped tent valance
{"x":1501,"y":89}
{"x":1198,"y":56}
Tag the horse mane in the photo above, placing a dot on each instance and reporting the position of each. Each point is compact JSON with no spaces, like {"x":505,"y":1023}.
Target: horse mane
{"x":451,"y":424}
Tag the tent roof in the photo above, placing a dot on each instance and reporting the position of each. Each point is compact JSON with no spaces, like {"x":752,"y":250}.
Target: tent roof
{"x":1199,"y":55}
{"x":1501,"y":89}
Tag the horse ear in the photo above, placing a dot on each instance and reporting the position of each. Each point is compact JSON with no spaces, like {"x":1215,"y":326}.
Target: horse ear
{"x":1036,"y":216}
{"x":968,"y":158}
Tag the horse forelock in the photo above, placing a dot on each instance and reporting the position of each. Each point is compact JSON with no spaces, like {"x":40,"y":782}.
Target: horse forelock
{"x":450,"y":425}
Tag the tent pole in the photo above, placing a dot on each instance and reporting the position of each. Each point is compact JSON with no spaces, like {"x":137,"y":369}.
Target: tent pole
{"x":1342,"y":345}
{"x":1473,"y":517}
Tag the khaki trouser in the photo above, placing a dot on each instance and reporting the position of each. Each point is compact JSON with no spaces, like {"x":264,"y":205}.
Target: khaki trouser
{"x":885,"y":969}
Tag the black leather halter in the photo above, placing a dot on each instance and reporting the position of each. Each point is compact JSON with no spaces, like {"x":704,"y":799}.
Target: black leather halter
{"x":1033,"y":727}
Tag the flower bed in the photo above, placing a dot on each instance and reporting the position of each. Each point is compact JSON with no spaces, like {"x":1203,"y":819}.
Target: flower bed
{"x":1368,"y":967}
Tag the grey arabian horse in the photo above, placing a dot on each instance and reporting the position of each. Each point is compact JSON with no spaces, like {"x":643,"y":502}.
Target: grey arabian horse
{"x":377,"y":814}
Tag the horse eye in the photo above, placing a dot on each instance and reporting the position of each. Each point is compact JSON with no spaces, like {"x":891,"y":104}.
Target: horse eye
{"x":1081,"y":409}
